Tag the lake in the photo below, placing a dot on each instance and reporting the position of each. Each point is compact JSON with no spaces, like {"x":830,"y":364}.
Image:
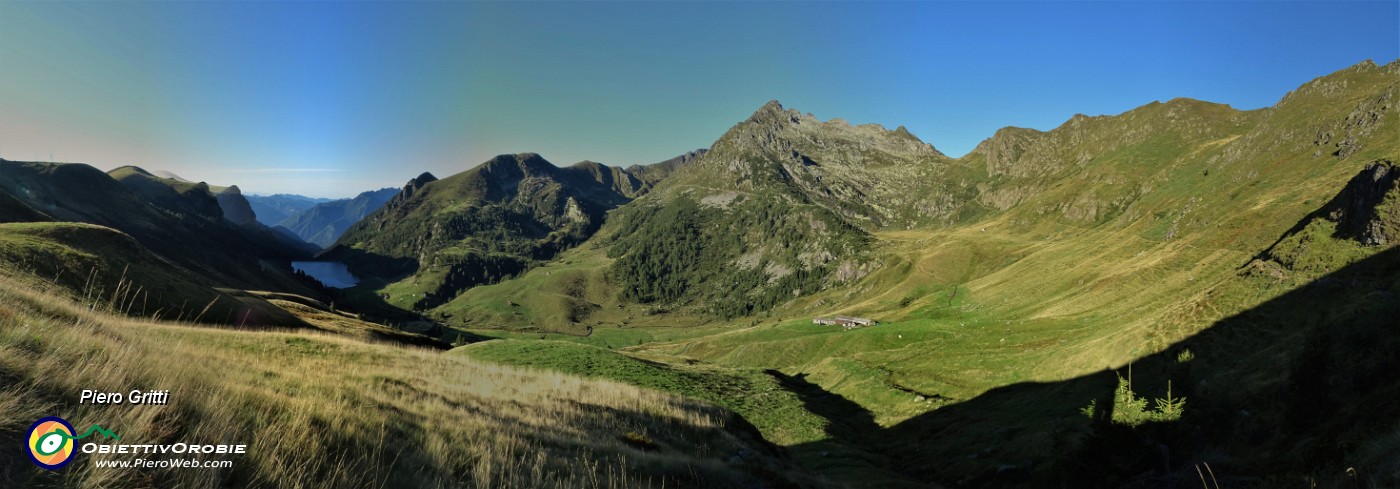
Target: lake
{"x":331,"y":273}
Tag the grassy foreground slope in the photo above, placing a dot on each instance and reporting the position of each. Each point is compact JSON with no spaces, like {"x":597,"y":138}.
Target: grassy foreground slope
{"x":108,"y":267}
{"x":778,"y":405}
{"x":323,"y":411}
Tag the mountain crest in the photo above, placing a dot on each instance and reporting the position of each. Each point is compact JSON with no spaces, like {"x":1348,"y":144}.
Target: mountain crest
{"x":134,"y":169}
{"x":422,"y":179}
{"x":415,"y":184}
{"x":518,"y":165}
{"x":774,"y":113}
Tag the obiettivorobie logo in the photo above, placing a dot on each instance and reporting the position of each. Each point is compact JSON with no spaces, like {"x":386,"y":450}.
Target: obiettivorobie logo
{"x":51,"y":441}
{"x":51,"y":444}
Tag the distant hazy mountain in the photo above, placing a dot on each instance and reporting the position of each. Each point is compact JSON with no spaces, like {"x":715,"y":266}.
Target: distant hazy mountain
{"x":323,"y":223}
{"x":273,"y":209}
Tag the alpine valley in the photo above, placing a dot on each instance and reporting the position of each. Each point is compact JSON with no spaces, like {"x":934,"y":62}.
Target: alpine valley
{"x":1179,"y":295}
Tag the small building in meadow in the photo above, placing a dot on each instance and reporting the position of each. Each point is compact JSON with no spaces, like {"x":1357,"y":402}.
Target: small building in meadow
{"x":846,"y":322}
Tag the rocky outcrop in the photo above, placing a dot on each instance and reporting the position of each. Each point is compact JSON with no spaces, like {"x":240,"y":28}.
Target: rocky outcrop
{"x":236,"y":208}
{"x":1368,"y":209}
{"x":1363,"y":216}
{"x":413,"y":186}
{"x":1344,"y":138}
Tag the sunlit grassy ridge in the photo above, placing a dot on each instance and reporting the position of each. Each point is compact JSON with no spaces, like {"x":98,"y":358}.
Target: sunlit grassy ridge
{"x":325,"y":411}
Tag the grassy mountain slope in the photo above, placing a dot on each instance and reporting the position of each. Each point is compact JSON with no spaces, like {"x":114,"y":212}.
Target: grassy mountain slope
{"x":220,"y":253}
{"x":216,"y":205}
{"x":15,"y":210}
{"x":779,"y":207}
{"x":1107,"y":241}
{"x":1112,"y":303}
{"x":400,"y":417}
{"x":439,"y":237}
{"x":323,"y":223}
{"x":109,"y":268}
{"x":1040,"y":261}
{"x":177,"y":196}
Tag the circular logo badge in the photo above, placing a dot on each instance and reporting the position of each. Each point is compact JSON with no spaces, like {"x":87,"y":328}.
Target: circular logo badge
{"x":50,"y":442}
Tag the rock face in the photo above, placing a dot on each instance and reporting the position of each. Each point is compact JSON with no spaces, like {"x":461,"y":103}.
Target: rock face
{"x":870,"y":176}
{"x":1346,"y":136}
{"x":1363,"y":216}
{"x":413,"y":185}
{"x":1368,"y":209}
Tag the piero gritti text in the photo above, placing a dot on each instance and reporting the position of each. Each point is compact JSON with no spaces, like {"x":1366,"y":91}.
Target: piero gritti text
{"x":134,"y":397}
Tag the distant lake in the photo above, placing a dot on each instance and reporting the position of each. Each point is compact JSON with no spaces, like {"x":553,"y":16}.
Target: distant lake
{"x":332,"y":273}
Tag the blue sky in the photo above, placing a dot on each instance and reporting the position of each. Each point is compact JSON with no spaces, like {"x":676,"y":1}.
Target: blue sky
{"x":329,"y":99}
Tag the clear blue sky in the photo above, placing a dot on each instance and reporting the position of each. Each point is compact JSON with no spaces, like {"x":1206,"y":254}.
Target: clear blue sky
{"x":329,"y":99}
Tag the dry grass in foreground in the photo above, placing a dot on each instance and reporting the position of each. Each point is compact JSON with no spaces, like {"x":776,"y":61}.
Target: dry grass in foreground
{"x":319,"y":410}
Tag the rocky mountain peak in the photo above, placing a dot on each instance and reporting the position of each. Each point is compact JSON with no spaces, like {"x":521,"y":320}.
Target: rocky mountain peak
{"x":518,"y":165}
{"x":422,"y":179}
{"x":235,"y":207}
{"x":774,"y":113}
{"x":413,"y":186}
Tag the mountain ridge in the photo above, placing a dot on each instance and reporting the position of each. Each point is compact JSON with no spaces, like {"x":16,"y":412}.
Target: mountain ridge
{"x":493,"y":220}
